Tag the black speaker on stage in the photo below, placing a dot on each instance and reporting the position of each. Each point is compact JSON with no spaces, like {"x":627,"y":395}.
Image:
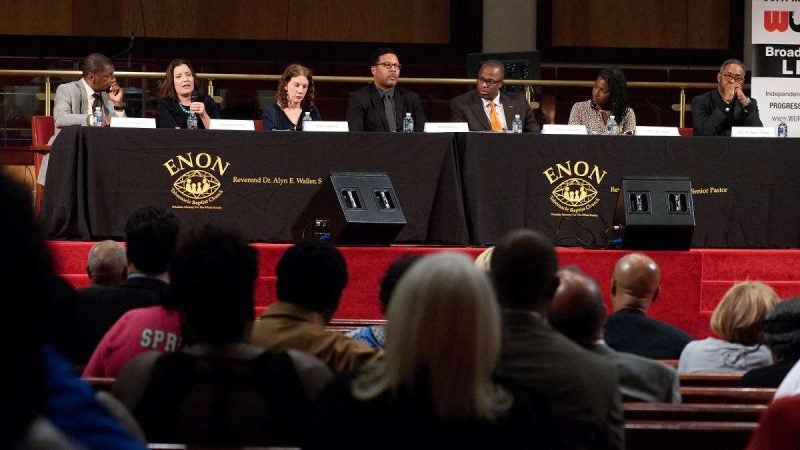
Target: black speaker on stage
{"x":655,"y":213}
{"x":352,"y":208}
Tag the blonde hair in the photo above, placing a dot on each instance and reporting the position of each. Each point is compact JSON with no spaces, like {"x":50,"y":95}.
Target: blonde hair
{"x":737,"y":317}
{"x":443,"y":322}
{"x":484,"y":260}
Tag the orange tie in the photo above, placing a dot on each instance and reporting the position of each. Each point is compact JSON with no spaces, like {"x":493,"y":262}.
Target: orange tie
{"x":494,"y":119}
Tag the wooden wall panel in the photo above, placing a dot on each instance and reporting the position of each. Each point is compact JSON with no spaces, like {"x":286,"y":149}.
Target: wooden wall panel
{"x":33,"y":17}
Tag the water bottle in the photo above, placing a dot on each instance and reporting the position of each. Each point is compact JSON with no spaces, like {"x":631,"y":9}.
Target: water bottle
{"x":783,"y":129}
{"x":97,"y":119}
{"x":613,"y":128}
{"x":306,"y":118}
{"x":517,"y":126}
{"x":408,"y":124}
{"x":191,"y":121}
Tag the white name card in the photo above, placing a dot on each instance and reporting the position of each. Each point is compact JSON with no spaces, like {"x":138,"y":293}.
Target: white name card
{"x":326,"y":125}
{"x":563,"y":129}
{"x":657,"y":131}
{"x":446,"y":127}
{"x":231,"y":124}
{"x":752,"y":132}
{"x":132,"y":122}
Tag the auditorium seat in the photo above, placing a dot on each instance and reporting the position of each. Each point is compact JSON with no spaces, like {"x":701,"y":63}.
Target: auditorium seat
{"x":687,"y":435}
{"x":700,"y":412}
{"x":42,"y":129}
{"x":710,"y":379}
{"x":727,"y":395}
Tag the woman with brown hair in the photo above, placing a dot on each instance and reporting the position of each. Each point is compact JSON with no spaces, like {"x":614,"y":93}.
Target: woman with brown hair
{"x":294,"y":99}
{"x":178,"y":96}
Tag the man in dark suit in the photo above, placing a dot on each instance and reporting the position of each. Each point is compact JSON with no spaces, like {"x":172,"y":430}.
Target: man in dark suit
{"x":486,"y":108}
{"x":151,"y":235}
{"x":716,"y":111}
{"x":580,"y":388}
{"x":634,"y":286}
{"x":383,"y":105}
{"x":579,"y":313}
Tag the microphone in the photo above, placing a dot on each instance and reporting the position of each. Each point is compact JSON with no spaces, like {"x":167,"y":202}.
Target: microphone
{"x":195,"y":96}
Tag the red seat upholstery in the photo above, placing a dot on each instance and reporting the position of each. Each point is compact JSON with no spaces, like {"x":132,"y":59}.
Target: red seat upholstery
{"x":686,"y":131}
{"x":42,"y":129}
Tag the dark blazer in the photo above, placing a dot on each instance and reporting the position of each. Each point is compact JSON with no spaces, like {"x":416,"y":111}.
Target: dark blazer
{"x":642,"y":379}
{"x":468,"y":108}
{"x":768,"y":377}
{"x":630,"y":331}
{"x":581,"y":388}
{"x":170,"y":115}
{"x":365,"y":111}
{"x":709,"y":117}
{"x":275,"y":119}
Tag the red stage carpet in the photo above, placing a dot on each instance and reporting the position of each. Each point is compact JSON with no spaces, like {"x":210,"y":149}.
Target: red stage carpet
{"x":692,"y":282}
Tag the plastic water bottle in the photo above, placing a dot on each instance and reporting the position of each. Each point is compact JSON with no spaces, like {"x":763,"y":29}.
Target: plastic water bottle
{"x":408,"y":124}
{"x":306,"y":118}
{"x":517,"y":126}
{"x":191,"y":121}
{"x":613,"y":128}
{"x":783,"y":129}
{"x":97,"y":119}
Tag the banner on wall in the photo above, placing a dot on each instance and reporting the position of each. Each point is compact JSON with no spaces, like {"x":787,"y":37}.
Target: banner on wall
{"x":776,"y":73}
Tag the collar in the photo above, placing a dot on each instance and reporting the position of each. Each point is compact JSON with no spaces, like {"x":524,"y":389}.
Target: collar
{"x":390,"y":92}
{"x":291,"y":310}
{"x":89,"y":90}
{"x":496,"y":100}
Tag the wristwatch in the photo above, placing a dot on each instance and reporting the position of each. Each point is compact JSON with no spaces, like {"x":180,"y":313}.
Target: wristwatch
{"x":120,"y":107}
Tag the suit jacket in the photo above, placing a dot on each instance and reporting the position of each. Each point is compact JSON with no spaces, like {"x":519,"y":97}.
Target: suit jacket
{"x":581,"y":388}
{"x":365,"y":111}
{"x":630,"y":331}
{"x":70,"y":105}
{"x":642,"y":379}
{"x":709,"y":117}
{"x":468,"y":108}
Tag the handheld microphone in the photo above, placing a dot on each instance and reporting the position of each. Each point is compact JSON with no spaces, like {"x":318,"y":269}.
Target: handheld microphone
{"x":195,"y":96}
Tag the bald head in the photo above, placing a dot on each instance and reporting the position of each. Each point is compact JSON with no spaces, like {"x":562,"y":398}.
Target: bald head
{"x":635,"y":283}
{"x":577,"y":310}
{"x":107,"y":264}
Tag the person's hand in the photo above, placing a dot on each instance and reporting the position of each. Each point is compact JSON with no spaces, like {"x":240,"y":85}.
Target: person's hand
{"x":116,"y":94}
{"x":729,"y":92}
{"x":740,"y":97}
{"x":199,"y":108}
{"x":106,"y":121}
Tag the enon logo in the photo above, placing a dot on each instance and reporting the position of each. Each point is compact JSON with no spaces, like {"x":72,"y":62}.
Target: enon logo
{"x":575,"y":192}
{"x":197,"y":185}
{"x":780,"y":21}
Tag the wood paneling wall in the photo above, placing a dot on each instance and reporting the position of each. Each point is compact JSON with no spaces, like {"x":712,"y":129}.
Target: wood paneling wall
{"x":413,"y":21}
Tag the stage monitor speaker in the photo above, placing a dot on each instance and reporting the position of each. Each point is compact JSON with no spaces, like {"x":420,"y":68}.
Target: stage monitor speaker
{"x":655,"y":213}
{"x":355,"y":208}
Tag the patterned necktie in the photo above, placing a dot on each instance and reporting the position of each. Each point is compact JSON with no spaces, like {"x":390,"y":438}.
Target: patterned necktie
{"x":494,"y":119}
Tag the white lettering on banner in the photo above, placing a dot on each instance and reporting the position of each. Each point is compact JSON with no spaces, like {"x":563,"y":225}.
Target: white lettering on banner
{"x":782,"y":52}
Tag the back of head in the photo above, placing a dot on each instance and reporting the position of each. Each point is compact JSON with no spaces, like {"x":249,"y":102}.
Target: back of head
{"x":211,"y":279}
{"x":523,"y":267}
{"x":151,"y":235}
{"x":781,"y":327}
{"x":312,"y":274}
{"x":578,"y":310}
{"x":737,"y":318}
{"x":635,"y":282}
{"x":393,"y":274}
{"x":107,"y":263}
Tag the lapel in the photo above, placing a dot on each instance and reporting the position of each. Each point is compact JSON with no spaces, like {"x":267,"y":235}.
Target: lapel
{"x":508,"y":109}
{"x":377,"y":103}
{"x":84,"y":108}
{"x":480,"y":113}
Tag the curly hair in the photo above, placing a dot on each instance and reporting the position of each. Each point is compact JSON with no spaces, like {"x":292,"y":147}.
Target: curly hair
{"x":295,"y":70}
{"x":618,"y":86}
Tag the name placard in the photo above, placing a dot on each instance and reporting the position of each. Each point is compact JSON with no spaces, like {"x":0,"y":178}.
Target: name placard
{"x":231,"y":124}
{"x":657,"y":131}
{"x":446,"y":127}
{"x":563,"y":129}
{"x":326,"y":125}
{"x":752,"y":132}
{"x":132,"y":122}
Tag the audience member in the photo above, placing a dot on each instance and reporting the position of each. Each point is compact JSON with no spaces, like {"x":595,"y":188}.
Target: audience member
{"x":718,"y":110}
{"x":375,"y":335}
{"x":487,"y":108}
{"x":781,"y":328}
{"x":635,"y":285}
{"x":220,"y":389}
{"x":383,"y":105}
{"x":311,"y":277}
{"x":434,"y":388}
{"x":581,"y":388}
{"x":579,"y":313}
{"x":737,"y":321}
{"x":178,"y":96}
{"x":609,"y":98}
{"x":295,"y":97}
{"x":484,"y":260}
{"x":107,"y":265}
{"x":151,"y":235}
{"x":779,"y":426}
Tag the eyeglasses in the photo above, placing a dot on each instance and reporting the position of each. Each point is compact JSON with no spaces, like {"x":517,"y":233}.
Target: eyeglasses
{"x":730,"y":76}
{"x":489,"y":82}
{"x":389,"y":66}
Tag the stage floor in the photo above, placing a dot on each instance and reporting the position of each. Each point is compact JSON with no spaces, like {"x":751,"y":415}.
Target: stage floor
{"x":692,"y":281}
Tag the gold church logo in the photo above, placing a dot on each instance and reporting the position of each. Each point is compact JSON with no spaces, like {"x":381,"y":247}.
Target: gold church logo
{"x":197,"y":183}
{"x":575,"y":192}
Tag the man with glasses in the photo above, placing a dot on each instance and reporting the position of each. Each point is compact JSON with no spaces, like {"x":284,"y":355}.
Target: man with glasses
{"x":716,"y":111}
{"x":383,"y":105}
{"x":487,"y":108}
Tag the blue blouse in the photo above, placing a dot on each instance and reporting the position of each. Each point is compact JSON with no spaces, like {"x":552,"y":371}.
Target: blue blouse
{"x":275,"y":119}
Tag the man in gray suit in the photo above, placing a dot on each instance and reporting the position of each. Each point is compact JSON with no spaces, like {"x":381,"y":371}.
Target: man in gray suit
{"x":579,"y":313}
{"x":486,"y":108}
{"x":580,"y":388}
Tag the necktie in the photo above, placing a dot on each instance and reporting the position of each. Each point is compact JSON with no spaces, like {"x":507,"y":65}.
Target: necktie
{"x":96,"y":102}
{"x":388,"y":105}
{"x":494,"y":119}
